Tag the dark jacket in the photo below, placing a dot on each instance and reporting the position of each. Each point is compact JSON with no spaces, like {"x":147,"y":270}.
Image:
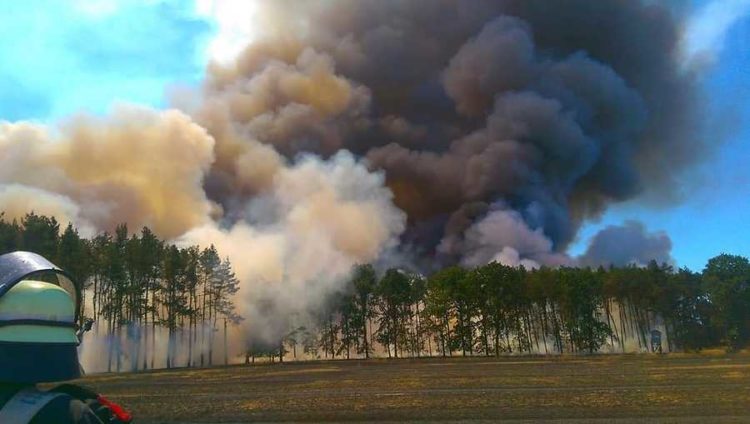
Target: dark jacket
{"x":62,"y":410}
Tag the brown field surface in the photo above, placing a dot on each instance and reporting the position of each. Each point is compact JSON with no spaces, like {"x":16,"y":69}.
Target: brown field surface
{"x":612,"y":389}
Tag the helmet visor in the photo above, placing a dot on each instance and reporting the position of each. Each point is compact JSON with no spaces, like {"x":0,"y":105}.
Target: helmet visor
{"x":18,"y":266}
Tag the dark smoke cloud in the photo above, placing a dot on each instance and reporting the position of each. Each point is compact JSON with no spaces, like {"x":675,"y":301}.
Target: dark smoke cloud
{"x":545,"y":112}
{"x":627,"y":244}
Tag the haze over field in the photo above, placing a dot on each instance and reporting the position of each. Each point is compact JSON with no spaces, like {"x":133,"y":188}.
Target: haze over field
{"x":418,"y":134}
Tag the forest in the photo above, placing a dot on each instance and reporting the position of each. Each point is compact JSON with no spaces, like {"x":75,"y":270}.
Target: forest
{"x":496,"y":309}
{"x":138,"y":286}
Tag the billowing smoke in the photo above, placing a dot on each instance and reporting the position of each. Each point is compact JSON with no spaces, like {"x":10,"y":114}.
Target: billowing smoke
{"x":468,"y":107}
{"x":137,"y":166}
{"x":627,"y":244}
{"x":503,"y":236}
{"x":300,"y":239}
{"x":17,"y":200}
{"x":461,"y":131}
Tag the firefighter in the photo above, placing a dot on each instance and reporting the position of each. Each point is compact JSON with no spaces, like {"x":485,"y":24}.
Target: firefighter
{"x":39,"y":307}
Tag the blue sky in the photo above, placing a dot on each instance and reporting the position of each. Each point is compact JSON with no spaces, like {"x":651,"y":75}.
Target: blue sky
{"x":61,"y":57}
{"x":714,"y":216}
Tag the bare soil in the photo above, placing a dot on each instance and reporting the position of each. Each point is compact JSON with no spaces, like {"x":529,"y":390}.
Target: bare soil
{"x":596,"y":389}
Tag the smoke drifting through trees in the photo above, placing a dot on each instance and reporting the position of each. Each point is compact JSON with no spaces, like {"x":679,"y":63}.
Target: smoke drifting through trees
{"x":494,"y":309}
{"x":346,"y":132}
{"x":158,"y":305}
{"x":299,"y":240}
{"x":154,"y":305}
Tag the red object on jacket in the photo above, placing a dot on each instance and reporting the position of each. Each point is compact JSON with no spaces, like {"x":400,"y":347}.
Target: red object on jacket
{"x":117,"y":410}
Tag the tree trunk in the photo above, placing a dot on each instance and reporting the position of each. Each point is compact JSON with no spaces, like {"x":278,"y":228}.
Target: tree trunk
{"x":226,"y":344}
{"x":366,"y":346}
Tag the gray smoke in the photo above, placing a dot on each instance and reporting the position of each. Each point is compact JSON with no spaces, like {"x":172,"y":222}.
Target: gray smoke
{"x":627,"y":244}
{"x":542,"y":112}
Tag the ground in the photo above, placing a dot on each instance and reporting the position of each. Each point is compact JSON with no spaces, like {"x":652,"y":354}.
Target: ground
{"x":629,"y":388}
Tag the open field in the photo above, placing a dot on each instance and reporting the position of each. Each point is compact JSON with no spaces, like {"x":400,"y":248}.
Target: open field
{"x":670,"y":388}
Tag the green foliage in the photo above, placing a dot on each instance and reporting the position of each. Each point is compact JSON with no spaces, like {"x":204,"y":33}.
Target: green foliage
{"x":10,"y":235}
{"x":393,"y":301}
{"x":364,"y":281}
{"x":495,"y":309}
{"x":40,"y":234}
{"x":727,"y":284}
{"x":580,"y":305}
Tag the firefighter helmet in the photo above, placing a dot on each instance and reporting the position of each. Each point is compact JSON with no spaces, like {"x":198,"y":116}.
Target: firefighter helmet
{"x":39,"y":306}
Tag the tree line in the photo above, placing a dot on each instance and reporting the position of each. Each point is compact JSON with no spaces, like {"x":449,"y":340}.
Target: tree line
{"x":136,"y":286}
{"x":496,"y":309}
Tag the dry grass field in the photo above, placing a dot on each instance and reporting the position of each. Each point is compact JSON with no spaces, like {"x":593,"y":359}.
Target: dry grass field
{"x":612,"y":389}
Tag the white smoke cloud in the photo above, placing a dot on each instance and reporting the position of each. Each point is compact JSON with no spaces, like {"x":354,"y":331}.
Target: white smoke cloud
{"x":298,"y":241}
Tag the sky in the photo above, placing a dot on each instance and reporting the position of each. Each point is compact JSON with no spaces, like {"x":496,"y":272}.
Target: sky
{"x":65,"y":57}
{"x":712,"y":216}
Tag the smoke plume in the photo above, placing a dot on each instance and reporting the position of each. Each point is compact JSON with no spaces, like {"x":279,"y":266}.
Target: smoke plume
{"x":554,"y":119}
{"x":461,"y":132}
{"x":299,"y":241}
{"x":627,"y":244}
{"x":138,"y":166}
